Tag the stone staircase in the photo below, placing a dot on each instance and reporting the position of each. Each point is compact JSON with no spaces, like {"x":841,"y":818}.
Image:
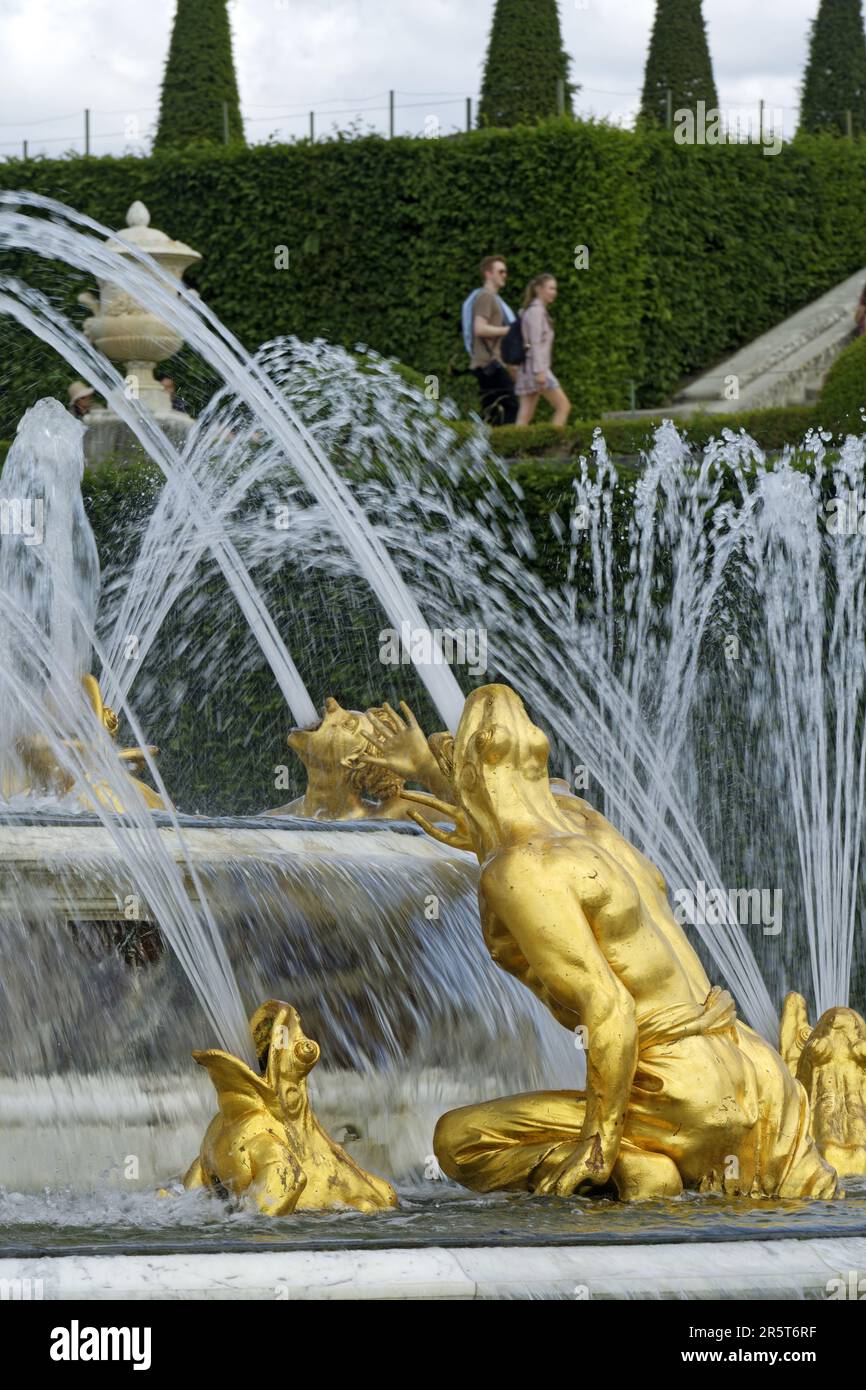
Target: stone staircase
{"x":785,"y":366}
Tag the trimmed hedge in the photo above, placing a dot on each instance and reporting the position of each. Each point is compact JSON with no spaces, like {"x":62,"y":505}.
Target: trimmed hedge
{"x":693,"y":250}
{"x":770,"y":429}
{"x":199,"y":77}
{"x":743,"y":240}
{"x":525,"y":61}
{"x":843,"y":395}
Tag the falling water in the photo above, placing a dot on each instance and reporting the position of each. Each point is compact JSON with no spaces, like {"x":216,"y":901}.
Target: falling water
{"x":739,"y":768}
{"x":49,"y":567}
{"x":49,"y":593}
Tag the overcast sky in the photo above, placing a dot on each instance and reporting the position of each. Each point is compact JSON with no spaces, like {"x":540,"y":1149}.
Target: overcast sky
{"x":342,"y":57}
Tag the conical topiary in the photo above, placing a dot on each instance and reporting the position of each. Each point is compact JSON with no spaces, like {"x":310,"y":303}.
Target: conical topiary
{"x":526,"y":69}
{"x":835,"y":80}
{"x":199,"y":89}
{"x":679,"y":70}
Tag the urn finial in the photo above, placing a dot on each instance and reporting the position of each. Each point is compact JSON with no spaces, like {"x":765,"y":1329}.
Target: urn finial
{"x":137,"y":215}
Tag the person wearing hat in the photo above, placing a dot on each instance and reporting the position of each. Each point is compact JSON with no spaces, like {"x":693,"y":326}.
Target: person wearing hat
{"x":80,"y":399}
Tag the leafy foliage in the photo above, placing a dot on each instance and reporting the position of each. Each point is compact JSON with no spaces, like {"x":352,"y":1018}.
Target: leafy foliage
{"x":382,"y":239}
{"x":770,"y":429}
{"x":678,"y":62}
{"x":835,"y":79}
{"x":199,"y":78}
{"x":525,"y":64}
{"x":843,"y":395}
{"x":740,"y":241}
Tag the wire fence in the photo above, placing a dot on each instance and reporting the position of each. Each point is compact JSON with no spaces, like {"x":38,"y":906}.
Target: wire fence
{"x":391,"y":113}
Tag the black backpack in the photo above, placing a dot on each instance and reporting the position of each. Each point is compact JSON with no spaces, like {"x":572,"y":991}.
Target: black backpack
{"x":513,"y":346}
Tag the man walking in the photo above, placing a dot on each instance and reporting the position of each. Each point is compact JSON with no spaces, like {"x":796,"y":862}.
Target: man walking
{"x":486,"y":321}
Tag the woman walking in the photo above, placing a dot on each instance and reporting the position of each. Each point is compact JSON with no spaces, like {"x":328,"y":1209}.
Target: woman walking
{"x":535,"y":377}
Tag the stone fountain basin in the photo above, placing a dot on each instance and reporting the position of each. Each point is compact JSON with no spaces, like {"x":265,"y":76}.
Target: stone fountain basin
{"x":75,"y":1239}
{"x":76,"y":1111}
{"x":39,"y":849}
{"x":440,"y":1244}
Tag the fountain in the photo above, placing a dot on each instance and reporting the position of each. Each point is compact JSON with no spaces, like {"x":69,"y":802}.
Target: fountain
{"x":134,"y":932}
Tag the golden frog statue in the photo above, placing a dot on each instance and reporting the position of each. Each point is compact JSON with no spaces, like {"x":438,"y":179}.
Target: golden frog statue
{"x":829,"y":1061}
{"x":679,"y":1092}
{"x":265,"y":1144}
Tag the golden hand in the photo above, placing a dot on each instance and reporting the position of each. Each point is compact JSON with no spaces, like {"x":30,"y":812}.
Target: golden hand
{"x":458,"y":838}
{"x":584,"y":1165}
{"x":403,"y":748}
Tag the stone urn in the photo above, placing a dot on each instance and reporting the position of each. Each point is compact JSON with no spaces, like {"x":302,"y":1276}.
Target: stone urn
{"x":127,"y":333}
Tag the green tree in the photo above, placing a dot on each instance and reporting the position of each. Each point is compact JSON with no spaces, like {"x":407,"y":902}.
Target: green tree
{"x":199,"y":84}
{"x":678,"y":63}
{"x":526,"y":69}
{"x":835,"y":80}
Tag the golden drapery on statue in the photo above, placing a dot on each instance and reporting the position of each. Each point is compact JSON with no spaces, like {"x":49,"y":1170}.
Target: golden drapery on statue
{"x":679,"y":1093}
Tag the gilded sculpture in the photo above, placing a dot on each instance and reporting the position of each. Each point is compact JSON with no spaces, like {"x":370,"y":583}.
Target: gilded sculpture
{"x":829,"y":1060}
{"x":265,"y":1145}
{"x":347,"y":776}
{"x":679,"y":1092}
{"x":43,"y":774}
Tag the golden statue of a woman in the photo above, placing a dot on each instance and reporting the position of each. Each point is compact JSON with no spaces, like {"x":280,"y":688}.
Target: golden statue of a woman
{"x":679,"y":1093}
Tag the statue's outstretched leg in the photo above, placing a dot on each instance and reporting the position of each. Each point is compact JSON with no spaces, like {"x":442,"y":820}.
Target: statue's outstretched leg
{"x":501,"y":1145}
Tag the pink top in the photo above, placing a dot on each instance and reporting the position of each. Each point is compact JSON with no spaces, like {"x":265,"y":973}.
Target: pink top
{"x":538,"y":338}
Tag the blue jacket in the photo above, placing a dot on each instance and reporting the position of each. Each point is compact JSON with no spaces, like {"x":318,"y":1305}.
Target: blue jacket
{"x":466,"y":316}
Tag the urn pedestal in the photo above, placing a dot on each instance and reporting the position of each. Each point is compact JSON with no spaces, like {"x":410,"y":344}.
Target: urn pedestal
{"x":132,"y":336}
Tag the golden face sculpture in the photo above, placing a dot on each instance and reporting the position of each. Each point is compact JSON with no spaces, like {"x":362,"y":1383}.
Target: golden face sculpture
{"x":340,"y":784}
{"x":340,"y":734}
